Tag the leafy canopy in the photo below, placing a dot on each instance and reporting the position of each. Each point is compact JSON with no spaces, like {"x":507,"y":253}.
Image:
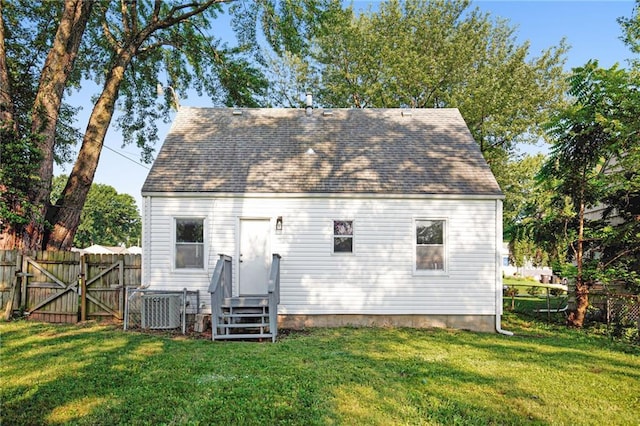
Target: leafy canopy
{"x":427,"y":54}
{"x":108,"y":218}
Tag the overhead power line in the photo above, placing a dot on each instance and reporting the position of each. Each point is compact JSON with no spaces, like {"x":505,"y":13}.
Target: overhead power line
{"x":124,"y":156}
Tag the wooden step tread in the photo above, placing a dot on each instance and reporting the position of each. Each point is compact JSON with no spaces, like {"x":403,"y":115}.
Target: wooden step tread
{"x":245,"y":316}
{"x":245,"y":301}
{"x":242,"y":336}
{"x":245,"y":325}
{"x":245,"y":310}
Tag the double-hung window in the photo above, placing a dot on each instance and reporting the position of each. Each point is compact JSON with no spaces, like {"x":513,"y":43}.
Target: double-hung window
{"x":430,"y":245}
{"x":189,"y":237}
{"x":343,"y":236}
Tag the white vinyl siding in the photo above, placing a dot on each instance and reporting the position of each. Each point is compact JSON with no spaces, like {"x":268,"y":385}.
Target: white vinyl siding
{"x":381,"y":279}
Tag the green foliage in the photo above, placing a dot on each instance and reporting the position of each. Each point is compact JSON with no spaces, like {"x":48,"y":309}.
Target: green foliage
{"x":564,"y":269}
{"x":594,"y":162}
{"x":108,"y":218}
{"x":126,"y":48}
{"x":350,"y":376}
{"x":526,"y":250}
{"x":19,"y":157}
{"x":631,"y":33}
{"x":427,"y":54}
{"x":29,"y":29}
{"x":534,"y":291}
{"x":518,"y":183}
{"x":536,"y":216}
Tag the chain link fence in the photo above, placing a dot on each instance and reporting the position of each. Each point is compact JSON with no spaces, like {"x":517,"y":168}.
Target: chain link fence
{"x":160,"y":309}
{"x":616,"y":314}
{"x":623,"y":316}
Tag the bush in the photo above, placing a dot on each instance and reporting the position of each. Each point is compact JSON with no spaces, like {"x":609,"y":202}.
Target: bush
{"x":534,"y":291}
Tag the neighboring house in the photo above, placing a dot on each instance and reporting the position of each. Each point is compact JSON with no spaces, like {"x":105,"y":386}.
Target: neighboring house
{"x":380,"y":216}
{"x":593,"y":213}
{"x":98,"y":249}
{"x":527,"y":270}
{"x":508,"y":268}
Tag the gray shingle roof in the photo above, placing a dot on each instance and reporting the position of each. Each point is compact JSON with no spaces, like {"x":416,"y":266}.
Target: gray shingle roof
{"x":375,"y":151}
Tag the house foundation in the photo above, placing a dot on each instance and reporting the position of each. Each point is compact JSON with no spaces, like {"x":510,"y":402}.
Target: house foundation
{"x":480,"y":323}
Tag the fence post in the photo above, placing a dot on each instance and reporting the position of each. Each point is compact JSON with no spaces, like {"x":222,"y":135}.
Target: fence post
{"x":122,"y":293}
{"x":548,"y":305}
{"x":638,"y":313}
{"x":22,"y":259}
{"x":184,"y":310}
{"x":126,"y":308}
{"x":83,"y":297}
{"x":8,"y":311}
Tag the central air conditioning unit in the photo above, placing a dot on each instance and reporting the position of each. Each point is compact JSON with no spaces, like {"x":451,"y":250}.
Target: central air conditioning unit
{"x":161,"y":311}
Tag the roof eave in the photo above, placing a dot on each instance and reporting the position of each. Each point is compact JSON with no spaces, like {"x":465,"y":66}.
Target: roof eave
{"x":336,"y":195}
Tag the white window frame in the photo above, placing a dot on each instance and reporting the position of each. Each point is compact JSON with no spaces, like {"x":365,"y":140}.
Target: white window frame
{"x":174,"y":243}
{"x":445,"y":247}
{"x":353,"y":237}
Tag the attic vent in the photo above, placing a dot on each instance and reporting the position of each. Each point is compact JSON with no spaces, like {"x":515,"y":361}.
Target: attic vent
{"x":310,"y":151}
{"x":327,"y":112}
{"x":309,"y":104}
{"x":407,"y":113}
{"x":237,"y":112}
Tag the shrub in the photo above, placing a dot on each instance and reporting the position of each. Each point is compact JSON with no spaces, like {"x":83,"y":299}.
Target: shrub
{"x":534,"y":291}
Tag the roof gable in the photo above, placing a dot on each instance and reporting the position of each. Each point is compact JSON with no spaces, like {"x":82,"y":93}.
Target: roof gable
{"x":367,"y":151}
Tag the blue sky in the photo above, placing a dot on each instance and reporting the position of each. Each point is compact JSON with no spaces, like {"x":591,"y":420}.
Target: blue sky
{"x":589,"y":27}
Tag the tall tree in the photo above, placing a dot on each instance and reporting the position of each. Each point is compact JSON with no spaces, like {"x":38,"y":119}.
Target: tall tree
{"x":586,"y":136}
{"x":126,"y":46}
{"x":519,"y":186}
{"x":425,"y":54}
{"x":32,"y":113}
{"x":107,"y":218}
{"x":55,"y":74}
{"x":526,"y":203}
{"x":631,"y":34}
{"x":141,"y":32}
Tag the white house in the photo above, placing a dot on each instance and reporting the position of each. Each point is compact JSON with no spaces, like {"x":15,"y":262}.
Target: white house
{"x":380,"y":216}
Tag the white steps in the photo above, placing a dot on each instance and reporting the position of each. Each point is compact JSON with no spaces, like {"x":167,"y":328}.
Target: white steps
{"x":245,"y":317}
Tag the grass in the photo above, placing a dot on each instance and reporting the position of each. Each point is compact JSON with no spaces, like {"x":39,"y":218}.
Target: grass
{"x":99,"y":375}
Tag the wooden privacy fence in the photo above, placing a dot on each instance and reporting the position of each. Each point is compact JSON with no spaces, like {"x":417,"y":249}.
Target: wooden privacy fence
{"x":65,"y":286}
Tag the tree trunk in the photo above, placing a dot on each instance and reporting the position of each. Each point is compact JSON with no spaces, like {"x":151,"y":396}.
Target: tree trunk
{"x":55,"y":74}
{"x":6,"y":103}
{"x":8,"y":236}
{"x":576,"y":317}
{"x":65,"y":217}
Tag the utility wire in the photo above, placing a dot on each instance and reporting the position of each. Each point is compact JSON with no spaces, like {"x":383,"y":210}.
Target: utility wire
{"x":124,"y":156}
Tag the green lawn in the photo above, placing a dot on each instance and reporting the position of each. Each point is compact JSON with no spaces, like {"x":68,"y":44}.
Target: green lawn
{"x":98,"y":374}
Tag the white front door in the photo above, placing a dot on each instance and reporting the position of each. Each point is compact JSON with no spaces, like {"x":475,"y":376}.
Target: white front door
{"x":255,"y":256}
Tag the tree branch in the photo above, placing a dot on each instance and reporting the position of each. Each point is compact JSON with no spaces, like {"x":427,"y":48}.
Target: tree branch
{"x":133,"y":16}
{"x":107,"y":32}
{"x":125,"y":22}
{"x":621,"y":254}
{"x":156,"y":10}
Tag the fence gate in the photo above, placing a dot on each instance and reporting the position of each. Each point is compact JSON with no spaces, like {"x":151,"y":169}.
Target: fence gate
{"x":49,"y":282}
{"x":47,"y":285}
{"x":106,"y":277}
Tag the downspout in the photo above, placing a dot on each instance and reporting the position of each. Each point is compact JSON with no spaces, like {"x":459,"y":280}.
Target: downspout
{"x":498,"y":277}
{"x":146,"y":242}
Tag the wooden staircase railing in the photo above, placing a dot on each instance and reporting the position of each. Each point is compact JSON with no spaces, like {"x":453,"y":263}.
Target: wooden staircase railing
{"x":244,"y":317}
{"x":274,"y":295}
